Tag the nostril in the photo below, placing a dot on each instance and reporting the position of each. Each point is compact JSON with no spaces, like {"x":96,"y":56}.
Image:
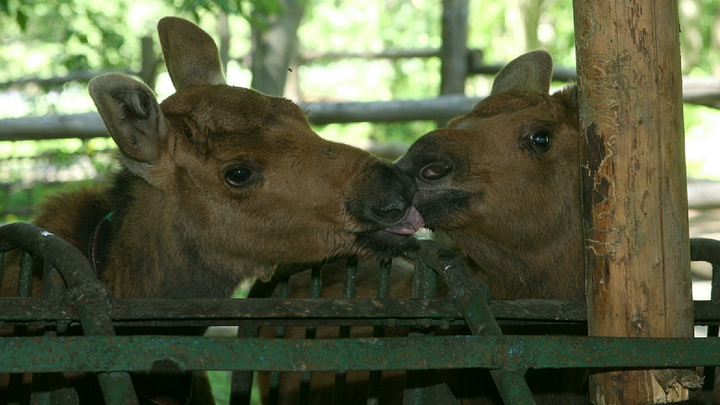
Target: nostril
{"x":435,"y":171}
{"x":388,"y":214}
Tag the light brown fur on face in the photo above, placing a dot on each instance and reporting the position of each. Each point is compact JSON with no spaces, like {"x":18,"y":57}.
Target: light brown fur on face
{"x":221,"y":184}
{"x":511,"y":206}
{"x":511,"y":203}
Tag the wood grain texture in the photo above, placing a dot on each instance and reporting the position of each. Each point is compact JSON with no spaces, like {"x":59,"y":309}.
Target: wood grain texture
{"x":634,"y":185}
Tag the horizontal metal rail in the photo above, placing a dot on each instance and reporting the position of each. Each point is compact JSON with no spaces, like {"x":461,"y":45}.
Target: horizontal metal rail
{"x":388,"y":312}
{"x":138,"y":353}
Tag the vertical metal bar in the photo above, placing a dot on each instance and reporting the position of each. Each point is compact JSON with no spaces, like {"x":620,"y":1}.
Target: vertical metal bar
{"x":310,"y":331}
{"x":274,"y":384}
{"x":425,"y":387}
{"x":2,"y":261}
{"x":23,"y":290}
{"x":25,"y":279}
{"x":708,"y":250}
{"x":52,"y":288}
{"x":470,"y":297}
{"x":340,"y":390}
{"x":242,"y":381}
{"x":713,"y":330}
{"x":53,"y":284}
{"x":383,"y":291}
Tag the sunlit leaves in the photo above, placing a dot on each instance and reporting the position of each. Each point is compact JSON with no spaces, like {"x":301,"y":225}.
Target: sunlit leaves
{"x":249,"y":9}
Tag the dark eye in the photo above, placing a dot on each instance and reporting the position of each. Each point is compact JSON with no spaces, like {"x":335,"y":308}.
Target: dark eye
{"x":238,"y":176}
{"x":540,"y":138}
{"x":435,"y":171}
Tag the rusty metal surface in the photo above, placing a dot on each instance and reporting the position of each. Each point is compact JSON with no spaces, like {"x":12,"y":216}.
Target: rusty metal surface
{"x":113,"y":356}
{"x":84,"y":292}
{"x":134,"y":353}
{"x":306,"y":311}
{"x":470,"y":297}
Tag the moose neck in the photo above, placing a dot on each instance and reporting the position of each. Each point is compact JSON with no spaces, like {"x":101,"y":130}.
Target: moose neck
{"x":154,"y":253}
{"x":552,"y":272}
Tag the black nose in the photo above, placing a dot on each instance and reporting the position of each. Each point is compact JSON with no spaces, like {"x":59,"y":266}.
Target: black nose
{"x":387,"y":196}
{"x":388,"y":213}
{"x":394,"y":195}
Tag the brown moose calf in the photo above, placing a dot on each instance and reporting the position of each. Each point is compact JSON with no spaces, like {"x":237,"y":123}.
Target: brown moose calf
{"x":503,"y":181}
{"x":220,"y":184}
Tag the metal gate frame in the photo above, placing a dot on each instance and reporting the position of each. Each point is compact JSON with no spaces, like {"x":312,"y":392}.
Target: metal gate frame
{"x":86,"y":301}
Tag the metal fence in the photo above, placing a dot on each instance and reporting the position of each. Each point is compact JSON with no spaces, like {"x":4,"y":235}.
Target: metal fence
{"x":82,"y":301}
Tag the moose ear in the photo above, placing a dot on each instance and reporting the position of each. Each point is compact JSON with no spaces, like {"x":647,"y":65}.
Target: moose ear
{"x":132,"y":116}
{"x":531,"y":71}
{"x":191,"y":56}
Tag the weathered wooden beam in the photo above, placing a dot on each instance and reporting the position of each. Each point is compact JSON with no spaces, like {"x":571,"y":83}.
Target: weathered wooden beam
{"x":89,"y":125}
{"x":634,"y":188}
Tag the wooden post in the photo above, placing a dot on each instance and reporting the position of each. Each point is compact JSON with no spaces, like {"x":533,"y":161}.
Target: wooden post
{"x":149,"y":61}
{"x":634,"y":187}
{"x":453,"y":52}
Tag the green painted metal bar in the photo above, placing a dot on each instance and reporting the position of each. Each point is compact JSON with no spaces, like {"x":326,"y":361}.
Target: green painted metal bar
{"x":137,"y":353}
{"x":423,"y":387}
{"x":383,"y":291}
{"x":84,"y":291}
{"x":25,"y":279}
{"x":470,"y":296}
{"x":310,"y":331}
{"x":708,"y":250}
{"x":340,"y":387}
{"x":53,"y":287}
{"x":274,"y":386}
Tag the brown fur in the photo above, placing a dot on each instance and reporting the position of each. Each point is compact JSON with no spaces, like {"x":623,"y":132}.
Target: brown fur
{"x":220,"y":184}
{"x":511,"y":206}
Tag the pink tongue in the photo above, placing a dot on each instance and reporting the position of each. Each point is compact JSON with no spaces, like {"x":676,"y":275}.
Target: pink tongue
{"x":412,"y":223}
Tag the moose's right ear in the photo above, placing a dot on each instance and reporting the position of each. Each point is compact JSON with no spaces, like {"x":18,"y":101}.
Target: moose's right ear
{"x":191,"y":56}
{"x":531,"y":71}
{"x":133,"y":117}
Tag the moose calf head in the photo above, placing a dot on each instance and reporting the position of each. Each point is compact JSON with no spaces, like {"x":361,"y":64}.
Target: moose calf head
{"x":504,"y":182}
{"x":220,"y":183}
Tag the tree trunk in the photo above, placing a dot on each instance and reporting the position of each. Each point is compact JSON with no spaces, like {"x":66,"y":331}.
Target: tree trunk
{"x":634,"y":187}
{"x":275,"y":46}
{"x":454,"y":51}
{"x":223,"y":29}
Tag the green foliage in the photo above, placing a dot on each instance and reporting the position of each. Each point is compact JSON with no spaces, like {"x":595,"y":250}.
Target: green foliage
{"x":244,"y":8}
{"x":76,"y":35}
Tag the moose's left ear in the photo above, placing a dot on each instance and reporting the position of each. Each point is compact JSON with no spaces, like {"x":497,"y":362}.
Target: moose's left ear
{"x":531,"y":71}
{"x":133,"y":117}
{"x":191,"y":56}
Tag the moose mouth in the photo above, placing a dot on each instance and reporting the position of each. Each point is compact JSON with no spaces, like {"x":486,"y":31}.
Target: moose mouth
{"x":392,"y":241}
{"x":412,"y":223}
{"x":440,"y":207}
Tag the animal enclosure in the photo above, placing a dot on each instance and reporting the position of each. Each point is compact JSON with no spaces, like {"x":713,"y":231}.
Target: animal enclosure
{"x":79,"y":318}
{"x":85,"y":304}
